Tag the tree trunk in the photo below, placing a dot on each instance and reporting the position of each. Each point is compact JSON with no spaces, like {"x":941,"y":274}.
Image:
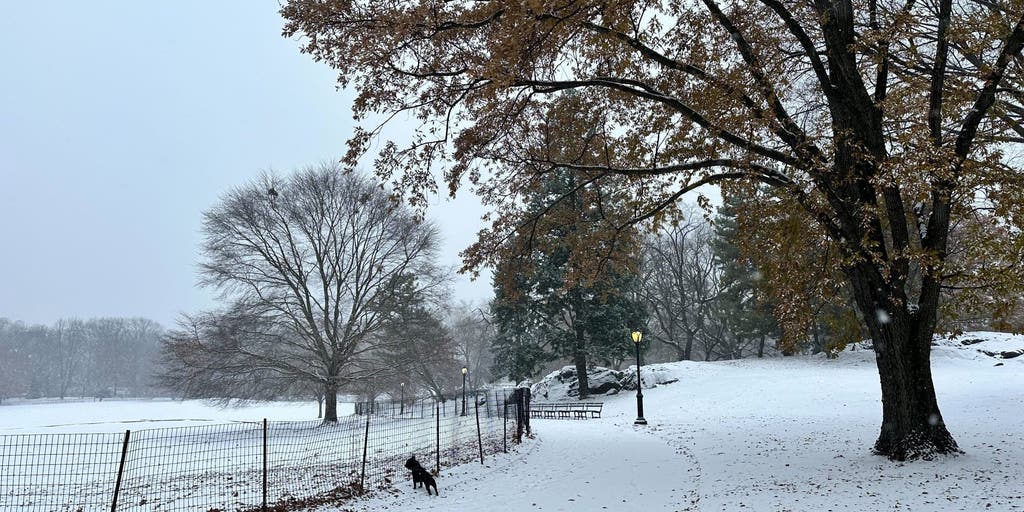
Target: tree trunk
{"x":816,"y":332}
{"x":689,"y":346}
{"x":330,"y":402}
{"x":680,"y":354}
{"x":579,"y":357}
{"x":912,"y":426}
{"x":760,"y":347}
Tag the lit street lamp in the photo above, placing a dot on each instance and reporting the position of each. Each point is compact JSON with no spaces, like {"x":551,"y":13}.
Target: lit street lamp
{"x":637,"y":336}
{"x":464,"y":372}
{"x":401,"y":406}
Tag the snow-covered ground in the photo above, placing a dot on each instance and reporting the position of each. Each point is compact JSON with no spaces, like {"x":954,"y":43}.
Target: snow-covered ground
{"x":81,"y":416}
{"x":790,"y":434}
{"x":781,"y":434}
{"x":64,"y":455}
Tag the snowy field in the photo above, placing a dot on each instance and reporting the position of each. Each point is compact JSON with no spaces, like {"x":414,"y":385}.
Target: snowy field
{"x":790,"y":434}
{"x":111,"y":416}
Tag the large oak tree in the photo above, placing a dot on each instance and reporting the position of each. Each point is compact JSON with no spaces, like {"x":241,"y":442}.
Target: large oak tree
{"x":886,"y":120}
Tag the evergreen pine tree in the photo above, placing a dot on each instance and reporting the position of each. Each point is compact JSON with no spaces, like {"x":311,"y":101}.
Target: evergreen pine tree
{"x":741,"y":306}
{"x":544,"y":308}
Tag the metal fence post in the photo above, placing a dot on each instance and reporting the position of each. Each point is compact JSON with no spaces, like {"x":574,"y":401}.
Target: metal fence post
{"x":479,"y":439}
{"x":437,"y":469}
{"x":264,"y":465}
{"x":504,"y":424}
{"x":120,"y":471}
{"x":366,"y":443}
{"x":517,"y":399}
{"x":526,"y":410}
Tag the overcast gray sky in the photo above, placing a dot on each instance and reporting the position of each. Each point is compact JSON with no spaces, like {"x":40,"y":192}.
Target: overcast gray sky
{"x":121,"y":121}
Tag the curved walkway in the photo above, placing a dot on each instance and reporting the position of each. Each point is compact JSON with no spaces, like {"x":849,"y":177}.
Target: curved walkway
{"x":590,"y":465}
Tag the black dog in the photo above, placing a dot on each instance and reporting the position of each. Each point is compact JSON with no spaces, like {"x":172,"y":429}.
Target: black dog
{"x":420,"y":475}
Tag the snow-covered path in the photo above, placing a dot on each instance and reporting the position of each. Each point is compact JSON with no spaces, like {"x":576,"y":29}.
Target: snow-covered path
{"x":790,"y":434}
{"x":570,"y":466}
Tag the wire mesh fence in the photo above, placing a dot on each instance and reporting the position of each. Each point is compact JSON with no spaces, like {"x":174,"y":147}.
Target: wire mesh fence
{"x":58,"y":471}
{"x":249,"y":466}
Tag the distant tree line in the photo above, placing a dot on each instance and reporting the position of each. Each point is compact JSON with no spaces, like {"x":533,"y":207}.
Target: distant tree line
{"x":98,"y":357}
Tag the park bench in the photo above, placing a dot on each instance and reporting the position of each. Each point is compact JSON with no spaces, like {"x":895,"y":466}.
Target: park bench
{"x":565,"y":410}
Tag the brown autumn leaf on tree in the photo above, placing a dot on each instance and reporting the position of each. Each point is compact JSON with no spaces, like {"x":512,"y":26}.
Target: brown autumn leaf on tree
{"x":879,"y":118}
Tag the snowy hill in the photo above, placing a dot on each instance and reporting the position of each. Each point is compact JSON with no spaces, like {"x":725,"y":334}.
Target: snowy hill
{"x":780,"y":434}
{"x":993,"y":347}
{"x":981,"y":346}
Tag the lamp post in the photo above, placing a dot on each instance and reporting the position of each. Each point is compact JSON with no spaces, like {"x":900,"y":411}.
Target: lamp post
{"x":637,"y":336}
{"x":464,"y":372}
{"x":401,"y":401}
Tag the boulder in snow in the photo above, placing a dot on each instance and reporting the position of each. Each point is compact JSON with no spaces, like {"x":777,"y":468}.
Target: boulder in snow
{"x":562,"y":384}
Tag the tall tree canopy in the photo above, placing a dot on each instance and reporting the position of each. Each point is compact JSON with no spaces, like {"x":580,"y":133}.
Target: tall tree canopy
{"x":312,"y":265}
{"x":887,"y":121}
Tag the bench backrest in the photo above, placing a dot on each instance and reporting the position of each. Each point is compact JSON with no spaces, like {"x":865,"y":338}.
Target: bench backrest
{"x":567,"y":409}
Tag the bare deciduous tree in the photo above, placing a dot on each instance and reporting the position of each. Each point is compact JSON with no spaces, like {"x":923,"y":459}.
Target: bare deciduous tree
{"x":311,"y":264}
{"x":473,"y":333}
{"x":680,"y":284}
{"x":69,"y":351}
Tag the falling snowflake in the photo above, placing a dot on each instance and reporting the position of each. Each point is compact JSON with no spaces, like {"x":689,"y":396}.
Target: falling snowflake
{"x":882,"y":316}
